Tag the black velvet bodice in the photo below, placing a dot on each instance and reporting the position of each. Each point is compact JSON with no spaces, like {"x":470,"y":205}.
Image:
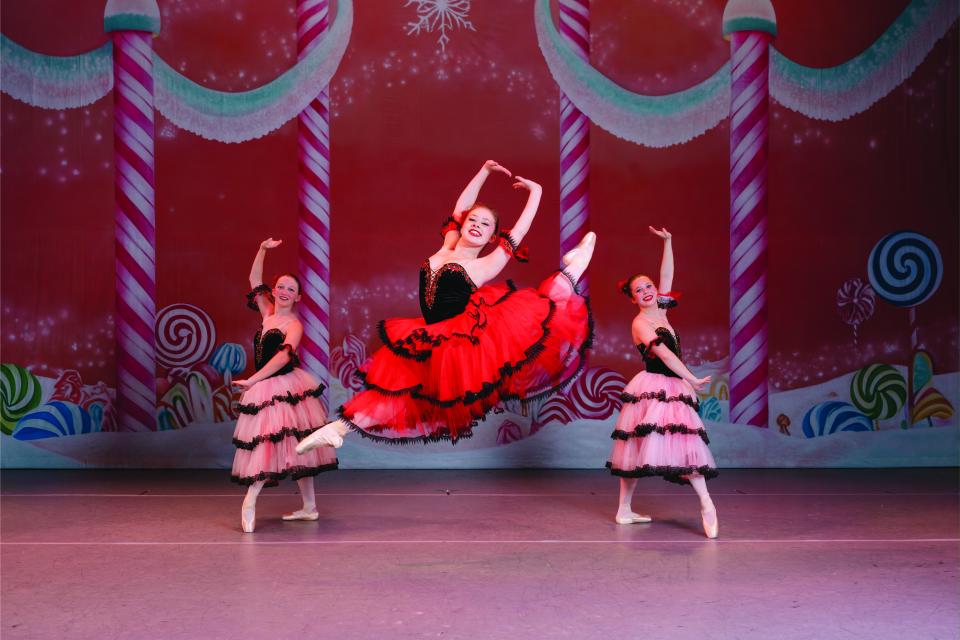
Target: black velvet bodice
{"x":444,"y":293}
{"x":654,"y":364}
{"x":266,"y":344}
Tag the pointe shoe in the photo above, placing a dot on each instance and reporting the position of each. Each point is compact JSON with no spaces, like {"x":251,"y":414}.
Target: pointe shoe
{"x":633,"y":518}
{"x":300,"y":514}
{"x":248,"y":518}
{"x":323,"y":437}
{"x":588,"y":242}
{"x":711,"y":530}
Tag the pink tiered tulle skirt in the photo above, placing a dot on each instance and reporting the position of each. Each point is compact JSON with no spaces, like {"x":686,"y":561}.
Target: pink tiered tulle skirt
{"x":275,"y":415}
{"x":659,"y":432}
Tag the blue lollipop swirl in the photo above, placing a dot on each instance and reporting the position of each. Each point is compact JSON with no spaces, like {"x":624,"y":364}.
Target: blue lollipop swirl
{"x":905,"y":268}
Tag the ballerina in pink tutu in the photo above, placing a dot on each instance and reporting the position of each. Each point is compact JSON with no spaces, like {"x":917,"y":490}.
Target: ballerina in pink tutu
{"x":659,"y":432}
{"x":280,"y":405}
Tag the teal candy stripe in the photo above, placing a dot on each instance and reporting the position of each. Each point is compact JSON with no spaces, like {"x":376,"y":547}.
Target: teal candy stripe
{"x":131,"y":22}
{"x":842,"y":77}
{"x":227,"y":103}
{"x":58,"y":69}
{"x":642,"y":105}
{"x":749,"y":24}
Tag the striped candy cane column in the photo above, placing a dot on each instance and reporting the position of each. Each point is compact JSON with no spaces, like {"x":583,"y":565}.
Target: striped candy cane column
{"x":132,"y":24}
{"x":574,"y":137}
{"x":750,"y":29}
{"x":314,"y":222}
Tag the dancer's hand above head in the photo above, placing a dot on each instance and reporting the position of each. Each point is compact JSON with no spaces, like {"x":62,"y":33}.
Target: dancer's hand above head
{"x":529,"y":185}
{"x":662,"y":233}
{"x":493,"y":165}
{"x":270,"y":243}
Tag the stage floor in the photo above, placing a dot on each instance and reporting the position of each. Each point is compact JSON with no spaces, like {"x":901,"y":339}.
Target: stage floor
{"x":480,"y":554}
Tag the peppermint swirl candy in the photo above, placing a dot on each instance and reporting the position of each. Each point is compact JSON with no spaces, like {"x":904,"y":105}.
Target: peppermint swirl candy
{"x":832,"y":417}
{"x":905,"y":268}
{"x":346,"y":360}
{"x":878,"y":390}
{"x":19,"y":393}
{"x":185,"y":335}
{"x":856,"y":301}
{"x":596,"y":394}
{"x":557,"y":409}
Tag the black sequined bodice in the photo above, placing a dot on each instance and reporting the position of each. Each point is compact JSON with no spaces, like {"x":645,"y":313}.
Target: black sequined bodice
{"x":444,"y":293}
{"x":266,"y":344}
{"x":654,"y":364}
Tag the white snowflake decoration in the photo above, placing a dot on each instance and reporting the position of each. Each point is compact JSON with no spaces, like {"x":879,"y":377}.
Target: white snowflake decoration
{"x":440,"y":15}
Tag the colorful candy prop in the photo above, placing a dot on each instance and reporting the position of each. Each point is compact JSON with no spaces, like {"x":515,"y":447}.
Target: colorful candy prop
{"x":750,"y":25}
{"x":53,"y":420}
{"x":185,"y":335}
{"x":833,"y":417}
{"x":879,"y":391}
{"x":19,"y":393}
{"x":856,"y":302}
{"x":574,"y":138}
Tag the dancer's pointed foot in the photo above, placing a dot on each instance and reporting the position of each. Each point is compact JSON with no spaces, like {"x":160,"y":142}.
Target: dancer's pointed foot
{"x":302,"y":514}
{"x":629,"y":517}
{"x":248,"y":517}
{"x":711,"y":524}
{"x":576,"y":260}
{"x":327,"y":436}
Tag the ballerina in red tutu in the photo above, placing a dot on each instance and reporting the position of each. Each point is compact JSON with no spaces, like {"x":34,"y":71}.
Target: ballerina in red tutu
{"x":659,"y":432}
{"x":280,"y":404}
{"x":477,"y":344}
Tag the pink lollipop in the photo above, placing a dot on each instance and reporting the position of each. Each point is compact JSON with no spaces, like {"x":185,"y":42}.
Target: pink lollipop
{"x":856,"y":301}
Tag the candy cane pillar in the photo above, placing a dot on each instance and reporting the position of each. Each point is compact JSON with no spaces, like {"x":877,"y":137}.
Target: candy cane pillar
{"x":750,"y":25}
{"x":132,"y":24}
{"x":574,"y":137}
{"x":314,"y":194}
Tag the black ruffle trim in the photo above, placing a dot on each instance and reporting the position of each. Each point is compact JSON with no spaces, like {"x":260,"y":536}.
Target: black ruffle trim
{"x":258,"y":290}
{"x":294,"y":358}
{"x":487,"y":388}
{"x":662,"y":397}
{"x":643,"y":430}
{"x":289,"y":398}
{"x":665,"y":302}
{"x":450,"y":224}
{"x":670,"y":474}
{"x":419,"y":344}
{"x":519,"y":252}
{"x":282,"y":434}
{"x":444,"y":435}
{"x":273,"y":478}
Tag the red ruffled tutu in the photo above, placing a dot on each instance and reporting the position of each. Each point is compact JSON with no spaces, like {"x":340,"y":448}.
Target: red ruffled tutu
{"x":275,"y":414}
{"x":435,"y":381}
{"x":659,"y":432}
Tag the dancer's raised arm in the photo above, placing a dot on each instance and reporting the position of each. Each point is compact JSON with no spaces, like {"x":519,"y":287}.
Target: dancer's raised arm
{"x":489,"y":266}
{"x":259,"y":292}
{"x":666,"y":263}
{"x":468,"y":198}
